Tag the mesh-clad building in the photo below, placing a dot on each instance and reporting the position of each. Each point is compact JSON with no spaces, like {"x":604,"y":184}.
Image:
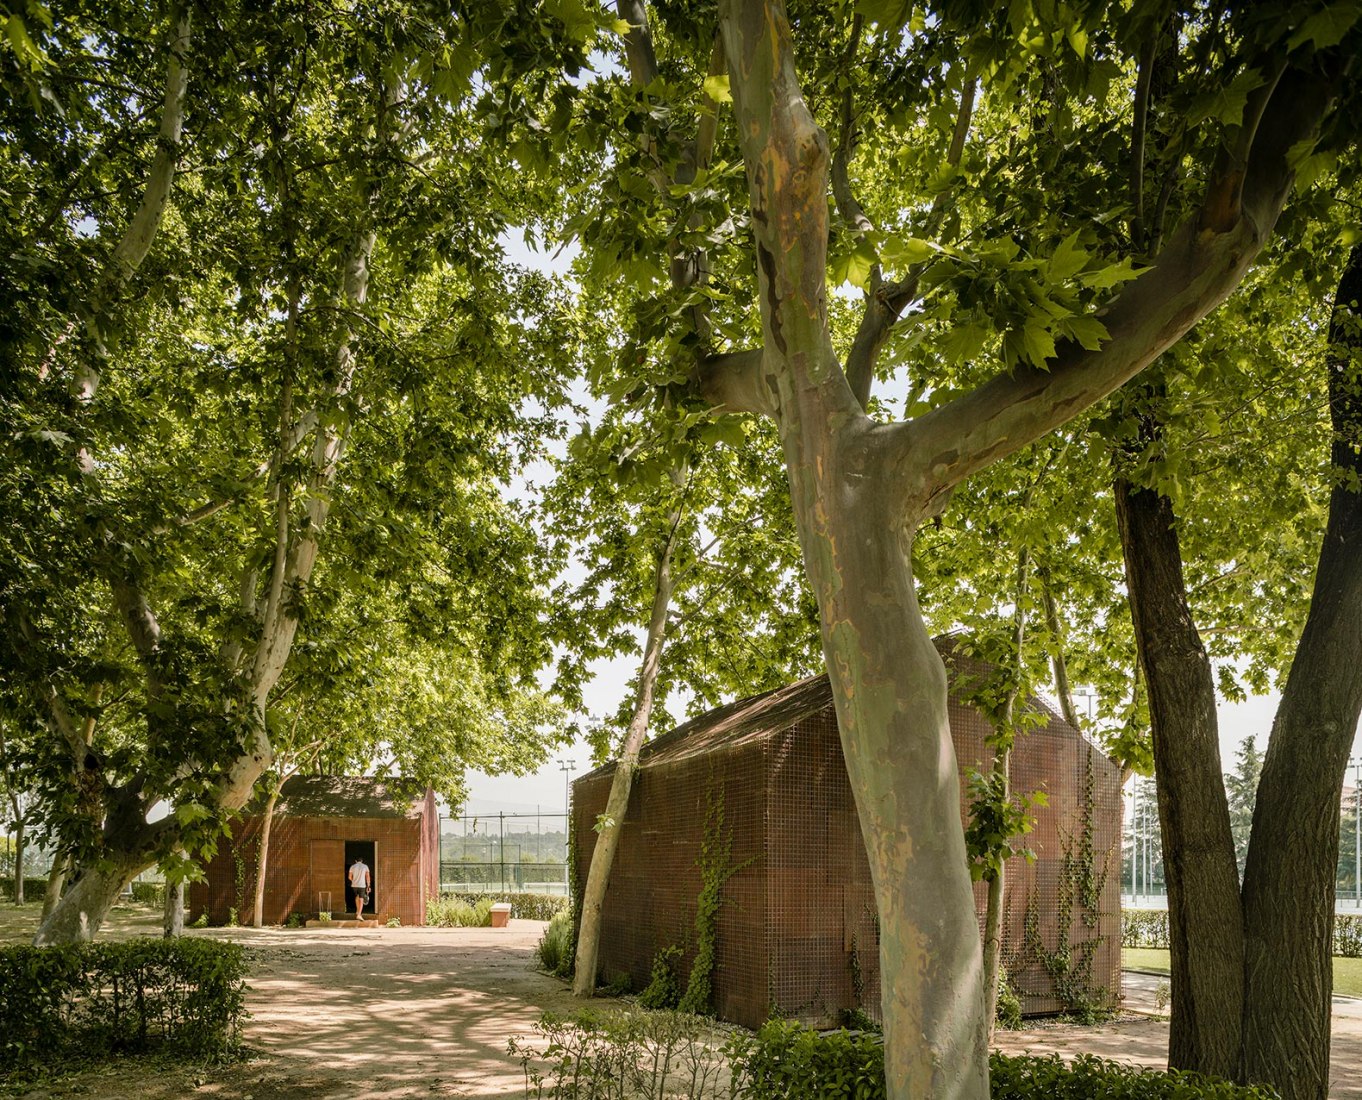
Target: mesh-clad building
{"x":321,"y":823}
{"x":797,"y":929}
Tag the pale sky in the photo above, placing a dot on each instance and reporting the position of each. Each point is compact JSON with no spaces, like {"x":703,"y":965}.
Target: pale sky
{"x":545,"y":788}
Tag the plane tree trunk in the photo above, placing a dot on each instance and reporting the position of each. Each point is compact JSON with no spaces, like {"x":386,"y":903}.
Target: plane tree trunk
{"x":19,"y":844}
{"x":172,"y":919}
{"x":56,"y":880}
{"x":1252,"y":978}
{"x":860,"y":489}
{"x":262,"y":861}
{"x":611,"y":824}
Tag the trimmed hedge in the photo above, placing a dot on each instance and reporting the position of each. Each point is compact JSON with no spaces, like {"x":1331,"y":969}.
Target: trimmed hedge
{"x":34,"y":888}
{"x":1348,"y":936}
{"x":1144,"y":928}
{"x":1149,"y":928}
{"x":786,"y":1059}
{"x":523,"y":906}
{"x":97,"y":999}
{"x":149,"y":893}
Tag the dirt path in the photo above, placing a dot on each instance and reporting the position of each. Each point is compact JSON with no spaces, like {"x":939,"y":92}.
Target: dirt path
{"x":383,"y":1014}
{"x":402,"y":1013}
{"x":406,"y":1012}
{"x":1142,"y":1040}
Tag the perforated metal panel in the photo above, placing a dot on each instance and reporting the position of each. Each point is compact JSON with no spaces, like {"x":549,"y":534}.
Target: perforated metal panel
{"x":797,"y":930}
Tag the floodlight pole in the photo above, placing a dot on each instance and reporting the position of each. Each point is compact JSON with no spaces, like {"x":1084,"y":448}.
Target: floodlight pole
{"x":565,"y":766}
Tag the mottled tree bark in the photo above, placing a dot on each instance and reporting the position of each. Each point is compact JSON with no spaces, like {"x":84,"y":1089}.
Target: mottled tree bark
{"x":172,"y":918}
{"x":610,"y":827}
{"x":861,"y":489}
{"x":56,"y":879}
{"x":81,"y":911}
{"x":262,"y":861}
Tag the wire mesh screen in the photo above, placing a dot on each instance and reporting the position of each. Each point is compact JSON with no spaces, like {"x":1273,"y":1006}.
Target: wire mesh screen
{"x":797,"y":931}
{"x":520,"y":852}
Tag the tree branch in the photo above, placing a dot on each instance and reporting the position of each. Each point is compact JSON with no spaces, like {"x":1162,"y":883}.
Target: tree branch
{"x":135,"y":243}
{"x":137,"y":238}
{"x":736,"y":383}
{"x":1143,"y":81}
{"x":638,"y":42}
{"x":885,"y":304}
{"x":1191,"y":275}
{"x":289,"y":442}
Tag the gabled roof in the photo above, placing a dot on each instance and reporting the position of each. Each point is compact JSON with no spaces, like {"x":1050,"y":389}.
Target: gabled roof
{"x":758,"y":716}
{"x":348,"y":797}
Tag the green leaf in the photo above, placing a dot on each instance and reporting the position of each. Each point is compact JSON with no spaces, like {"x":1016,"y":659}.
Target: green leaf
{"x":1088,"y":331}
{"x":1327,"y":28}
{"x":964,"y":342}
{"x":1226,"y":104}
{"x":885,"y":13}
{"x":860,"y":264}
{"x":912,"y":250}
{"x":1068,"y":258}
{"x":1038,"y":342}
{"x":1105,"y":277}
{"x":716,"y":87}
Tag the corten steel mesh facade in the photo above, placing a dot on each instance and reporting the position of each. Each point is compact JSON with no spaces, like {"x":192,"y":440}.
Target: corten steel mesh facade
{"x":313,"y":820}
{"x":797,"y":930}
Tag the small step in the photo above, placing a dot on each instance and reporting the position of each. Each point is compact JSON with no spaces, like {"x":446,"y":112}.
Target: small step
{"x":343,"y":922}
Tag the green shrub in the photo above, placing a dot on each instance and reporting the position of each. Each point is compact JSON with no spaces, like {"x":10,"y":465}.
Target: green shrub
{"x":664,"y":983}
{"x":555,"y":945}
{"x":1348,"y":937}
{"x":450,"y":911}
{"x":1051,"y":1078}
{"x":633,"y":1054}
{"x":95,"y":999}
{"x":523,"y":906}
{"x":1144,"y":928}
{"x":149,"y":893}
{"x":786,"y":1059}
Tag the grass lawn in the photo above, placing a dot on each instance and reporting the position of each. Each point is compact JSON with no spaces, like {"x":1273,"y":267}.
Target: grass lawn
{"x":19,"y":922}
{"x":1347,"y":972}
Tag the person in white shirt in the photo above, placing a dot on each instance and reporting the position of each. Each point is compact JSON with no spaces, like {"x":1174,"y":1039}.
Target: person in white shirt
{"x":359,"y":883}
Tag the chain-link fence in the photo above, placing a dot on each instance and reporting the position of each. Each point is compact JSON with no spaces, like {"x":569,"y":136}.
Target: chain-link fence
{"x":521,"y":852}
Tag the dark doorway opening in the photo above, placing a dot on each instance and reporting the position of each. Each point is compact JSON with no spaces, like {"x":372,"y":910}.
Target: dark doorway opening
{"x":361,"y":849}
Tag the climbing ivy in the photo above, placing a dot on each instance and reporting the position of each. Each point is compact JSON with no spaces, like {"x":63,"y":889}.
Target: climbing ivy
{"x":567,"y":965}
{"x":1081,"y":881}
{"x":716,"y":868}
